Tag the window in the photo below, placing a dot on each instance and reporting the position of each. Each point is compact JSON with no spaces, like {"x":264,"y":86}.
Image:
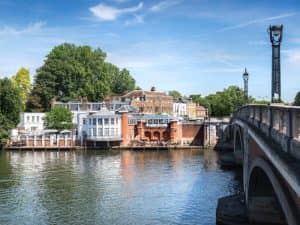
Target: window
{"x":32,"y":118}
{"x":117,"y":120}
{"x":112,"y":132}
{"x":94,"y":121}
{"x":90,"y":132}
{"x":112,"y":121}
{"x":90,"y":121}
{"x":106,"y":121}
{"x":83,"y":121}
{"x":28,"y":118}
{"x":100,"y":121}
{"x":37,"y":119}
{"x":100,"y":132}
{"x":106,"y":132}
{"x":94,"y":132}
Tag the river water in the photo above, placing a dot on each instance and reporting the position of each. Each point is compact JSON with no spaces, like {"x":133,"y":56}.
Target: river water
{"x":108,"y":188}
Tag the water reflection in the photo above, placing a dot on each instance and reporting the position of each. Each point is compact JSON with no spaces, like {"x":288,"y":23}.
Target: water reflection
{"x":151,"y":187}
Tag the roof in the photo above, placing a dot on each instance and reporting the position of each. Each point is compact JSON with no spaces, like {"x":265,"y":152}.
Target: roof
{"x":127,"y":108}
{"x":103,"y":112}
{"x":151,"y":116}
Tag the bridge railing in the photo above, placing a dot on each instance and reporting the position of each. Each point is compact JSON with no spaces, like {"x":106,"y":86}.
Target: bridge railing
{"x":278,"y":122}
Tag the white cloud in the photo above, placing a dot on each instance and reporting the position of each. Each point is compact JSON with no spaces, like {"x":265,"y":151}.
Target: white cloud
{"x":293,"y":56}
{"x":164,"y":5}
{"x":120,"y":1}
{"x":251,"y":22}
{"x":109,"y":13}
{"x":12,"y":31}
{"x":136,"y":20}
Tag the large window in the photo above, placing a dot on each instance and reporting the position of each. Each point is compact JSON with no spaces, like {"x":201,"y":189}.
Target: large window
{"x":106,"y":132}
{"x":112,"y":121}
{"x":100,"y":121}
{"x":106,"y":121}
{"x":94,"y":132}
{"x":94,"y":121}
{"x":100,"y":132}
{"x":112,"y":132}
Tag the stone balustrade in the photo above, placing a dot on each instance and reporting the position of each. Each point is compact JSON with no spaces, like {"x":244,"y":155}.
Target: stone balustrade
{"x":279,"y":123}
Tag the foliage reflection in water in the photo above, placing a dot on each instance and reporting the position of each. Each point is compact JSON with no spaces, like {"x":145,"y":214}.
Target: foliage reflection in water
{"x":97,"y":187}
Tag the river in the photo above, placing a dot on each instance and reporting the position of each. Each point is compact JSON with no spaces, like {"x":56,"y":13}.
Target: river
{"x":108,"y":188}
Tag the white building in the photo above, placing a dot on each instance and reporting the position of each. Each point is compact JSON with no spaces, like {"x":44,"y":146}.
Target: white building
{"x":103,"y":125}
{"x":79,"y":107}
{"x":31,"y":122}
{"x":180,"y":108}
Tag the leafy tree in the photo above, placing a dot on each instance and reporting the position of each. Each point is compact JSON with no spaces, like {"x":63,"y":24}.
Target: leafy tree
{"x":175,"y":94}
{"x":5,"y":126}
{"x":297,"y":99}
{"x":59,"y":118}
{"x":22,"y":81}
{"x":122,"y":82}
{"x":222,"y":103}
{"x":10,"y":107}
{"x":71,"y":71}
{"x":10,"y":101}
{"x":262,"y":102}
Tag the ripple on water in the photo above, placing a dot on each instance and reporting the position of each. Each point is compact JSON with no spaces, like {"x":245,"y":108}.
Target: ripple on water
{"x":159,"y":187}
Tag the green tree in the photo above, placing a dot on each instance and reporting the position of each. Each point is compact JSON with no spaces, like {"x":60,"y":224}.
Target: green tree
{"x":59,"y":118}
{"x":71,"y":71}
{"x":122,"y":82}
{"x":175,"y":94}
{"x":222,"y":103}
{"x":10,"y":101}
{"x":10,"y":107}
{"x":22,"y":81}
{"x":297,"y":99}
{"x":5,"y":126}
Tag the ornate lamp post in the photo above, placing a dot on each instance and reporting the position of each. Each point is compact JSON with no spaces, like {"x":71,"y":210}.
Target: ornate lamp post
{"x":246,"y":78}
{"x":275,"y":32}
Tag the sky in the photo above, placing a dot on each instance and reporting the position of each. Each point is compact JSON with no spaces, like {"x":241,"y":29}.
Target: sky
{"x":193,"y":46}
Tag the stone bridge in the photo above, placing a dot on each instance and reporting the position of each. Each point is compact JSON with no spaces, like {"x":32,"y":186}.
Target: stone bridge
{"x":267,"y":139}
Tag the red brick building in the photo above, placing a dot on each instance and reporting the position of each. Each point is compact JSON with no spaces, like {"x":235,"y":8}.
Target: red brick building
{"x":142,"y":129}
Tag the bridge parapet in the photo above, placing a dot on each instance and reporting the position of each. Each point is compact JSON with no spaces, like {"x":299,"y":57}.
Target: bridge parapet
{"x":281,"y":124}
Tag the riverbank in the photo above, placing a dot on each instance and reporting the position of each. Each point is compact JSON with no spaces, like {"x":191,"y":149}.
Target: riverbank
{"x":119,"y":148}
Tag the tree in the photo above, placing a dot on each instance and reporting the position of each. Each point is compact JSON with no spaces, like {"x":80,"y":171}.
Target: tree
{"x":10,"y":101}
{"x":22,"y":81}
{"x":59,"y":118}
{"x":222,"y":103}
{"x":10,"y":107}
{"x":122,"y":82}
{"x":71,"y":71}
{"x":175,"y":94}
{"x":297,"y":99}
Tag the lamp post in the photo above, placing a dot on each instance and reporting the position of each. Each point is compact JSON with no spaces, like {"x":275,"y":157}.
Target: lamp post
{"x":275,"y":32}
{"x":246,"y":78}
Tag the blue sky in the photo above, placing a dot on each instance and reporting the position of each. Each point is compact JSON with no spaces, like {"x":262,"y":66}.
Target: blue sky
{"x":194,"y":46}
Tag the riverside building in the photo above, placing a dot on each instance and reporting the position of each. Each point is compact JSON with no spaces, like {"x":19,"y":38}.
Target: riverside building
{"x":99,"y":127}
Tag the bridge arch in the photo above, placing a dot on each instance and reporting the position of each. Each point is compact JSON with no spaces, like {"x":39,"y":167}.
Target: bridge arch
{"x":238,"y":144}
{"x":266,"y":200}
{"x":238,"y":138}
